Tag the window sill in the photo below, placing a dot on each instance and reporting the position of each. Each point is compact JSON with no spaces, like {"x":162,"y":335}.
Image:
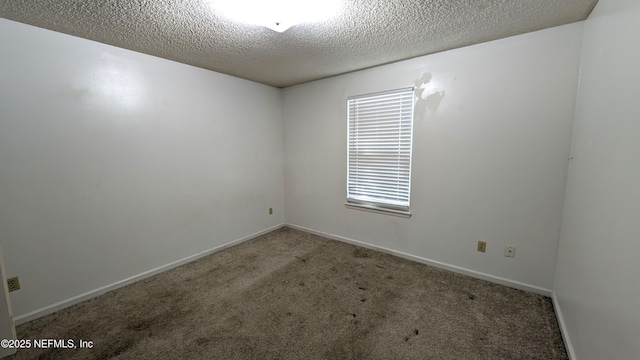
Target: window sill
{"x":378,"y":210}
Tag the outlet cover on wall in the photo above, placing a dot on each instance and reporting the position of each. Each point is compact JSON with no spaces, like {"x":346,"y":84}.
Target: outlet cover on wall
{"x":482,"y":246}
{"x":13,"y":284}
{"x":509,"y":251}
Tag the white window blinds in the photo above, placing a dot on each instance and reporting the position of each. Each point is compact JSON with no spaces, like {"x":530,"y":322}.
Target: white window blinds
{"x":380,"y":128}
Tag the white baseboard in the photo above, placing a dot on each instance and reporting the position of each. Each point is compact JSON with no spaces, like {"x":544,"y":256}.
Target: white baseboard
{"x":563,"y":328}
{"x":438,"y":264}
{"x":104,"y":289}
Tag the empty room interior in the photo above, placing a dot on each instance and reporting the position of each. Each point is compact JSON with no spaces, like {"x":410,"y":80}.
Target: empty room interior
{"x":174,"y":155}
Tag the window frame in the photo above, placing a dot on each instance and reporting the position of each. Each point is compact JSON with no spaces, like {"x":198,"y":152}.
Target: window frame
{"x":355,"y":199}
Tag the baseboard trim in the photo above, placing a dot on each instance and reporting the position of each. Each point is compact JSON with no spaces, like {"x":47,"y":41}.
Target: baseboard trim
{"x":104,"y":289}
{"x":563,"y":328}
{"x":457,"y":269}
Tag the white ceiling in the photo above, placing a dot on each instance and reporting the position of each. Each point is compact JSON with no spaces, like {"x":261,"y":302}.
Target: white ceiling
{"x":364,"y":34}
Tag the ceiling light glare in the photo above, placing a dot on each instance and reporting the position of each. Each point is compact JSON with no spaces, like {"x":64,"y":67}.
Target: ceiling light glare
{"x":277,"y":15}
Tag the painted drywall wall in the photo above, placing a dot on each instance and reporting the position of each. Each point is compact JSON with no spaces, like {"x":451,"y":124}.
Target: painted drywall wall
{"x":491,"y":144}
{"x":596,"y":285}
{"x":113,"y":163}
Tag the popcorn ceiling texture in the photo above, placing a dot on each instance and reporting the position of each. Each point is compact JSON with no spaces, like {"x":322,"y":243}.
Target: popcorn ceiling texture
{"x":367,"y":33}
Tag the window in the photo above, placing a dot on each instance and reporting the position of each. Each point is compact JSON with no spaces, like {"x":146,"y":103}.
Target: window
{"x":380,"y":128}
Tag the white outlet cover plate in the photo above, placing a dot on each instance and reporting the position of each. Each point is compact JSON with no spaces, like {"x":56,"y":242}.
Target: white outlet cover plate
{"x":509,"y":251}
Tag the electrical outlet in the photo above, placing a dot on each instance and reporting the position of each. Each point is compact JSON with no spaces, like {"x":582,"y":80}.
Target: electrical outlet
{"x":482,"y":246}
{"x":13,"y":284}
{"x":509,"y":251}
{"x":270,"y":211}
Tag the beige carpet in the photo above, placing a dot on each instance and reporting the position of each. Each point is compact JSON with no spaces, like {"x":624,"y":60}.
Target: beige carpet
{"x":292,"y":295}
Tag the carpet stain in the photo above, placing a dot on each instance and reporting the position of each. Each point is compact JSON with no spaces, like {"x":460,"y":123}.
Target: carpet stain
{"x":360,"y":253}
{"x":413,"y":334}
{"x":140,"y":325}
{"x":115,"y":348}
{"x":202,"y":341}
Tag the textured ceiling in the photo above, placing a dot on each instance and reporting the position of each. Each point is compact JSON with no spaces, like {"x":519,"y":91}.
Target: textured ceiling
{"x":364,"y":34}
